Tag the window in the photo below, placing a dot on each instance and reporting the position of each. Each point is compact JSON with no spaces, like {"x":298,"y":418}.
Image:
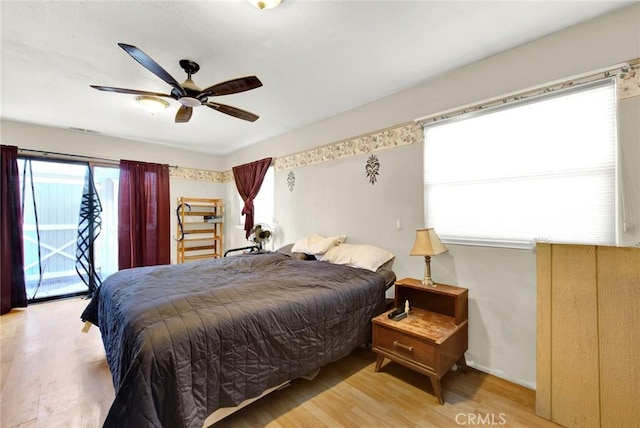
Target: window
{"x":263,"y":203}
{"x":539,"y":169}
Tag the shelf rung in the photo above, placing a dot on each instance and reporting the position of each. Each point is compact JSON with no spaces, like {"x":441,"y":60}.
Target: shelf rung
{"x":201,"y":257}
{"x":193,"y":240}
{"x":201,"y":247}
{"x":200,"y":213}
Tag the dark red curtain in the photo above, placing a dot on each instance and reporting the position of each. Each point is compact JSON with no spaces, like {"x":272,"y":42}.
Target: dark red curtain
{"x":13,"y":293}
{"x":143,"y":215}
{"x":249,"y":178}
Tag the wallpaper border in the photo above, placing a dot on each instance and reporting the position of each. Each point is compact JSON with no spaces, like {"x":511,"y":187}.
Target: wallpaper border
{"x":396,"y":136}
{"x":200,"y":174}
{"x":628,"y":82}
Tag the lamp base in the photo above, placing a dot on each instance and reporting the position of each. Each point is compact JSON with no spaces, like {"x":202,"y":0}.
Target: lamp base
{"x":427,"y":273}
{"x":429,"y":282}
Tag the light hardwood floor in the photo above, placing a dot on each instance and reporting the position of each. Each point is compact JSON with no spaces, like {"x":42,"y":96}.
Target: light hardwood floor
{"x":53,"y":375}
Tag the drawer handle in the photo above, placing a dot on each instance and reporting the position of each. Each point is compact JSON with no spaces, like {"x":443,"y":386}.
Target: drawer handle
{"x":401,"y":346}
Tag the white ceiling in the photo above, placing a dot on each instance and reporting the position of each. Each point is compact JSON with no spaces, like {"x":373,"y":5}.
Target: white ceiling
{"x":316,"y":59}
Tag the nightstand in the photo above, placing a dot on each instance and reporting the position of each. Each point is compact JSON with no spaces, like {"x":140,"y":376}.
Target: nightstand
{"x":432,"y":338}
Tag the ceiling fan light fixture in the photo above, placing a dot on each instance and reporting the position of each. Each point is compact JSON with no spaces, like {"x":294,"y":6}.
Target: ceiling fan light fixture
{"x":152,"y":104}
{"x":265,"y":4}
{"x":189,"y":101}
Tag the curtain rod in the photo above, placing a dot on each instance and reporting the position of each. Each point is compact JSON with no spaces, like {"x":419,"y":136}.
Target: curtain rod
{"x":65,"y":155}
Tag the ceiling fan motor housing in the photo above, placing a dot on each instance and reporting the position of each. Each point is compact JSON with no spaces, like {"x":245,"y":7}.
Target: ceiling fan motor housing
{"x":189,"y":67}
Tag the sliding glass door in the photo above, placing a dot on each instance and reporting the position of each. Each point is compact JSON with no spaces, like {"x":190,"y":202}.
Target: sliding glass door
{"x":70,"y":226}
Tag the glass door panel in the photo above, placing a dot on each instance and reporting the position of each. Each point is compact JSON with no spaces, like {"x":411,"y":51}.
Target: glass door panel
{"x":106,"y":180}
{"x":52,"y":194}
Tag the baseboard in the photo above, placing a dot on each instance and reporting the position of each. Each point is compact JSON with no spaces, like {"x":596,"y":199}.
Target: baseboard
{"x":501,"y":375}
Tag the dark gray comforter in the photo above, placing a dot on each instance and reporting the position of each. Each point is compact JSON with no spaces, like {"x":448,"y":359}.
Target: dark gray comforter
{"x":184,"y":340}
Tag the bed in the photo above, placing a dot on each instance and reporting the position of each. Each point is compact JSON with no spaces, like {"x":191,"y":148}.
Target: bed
{"x":185,"y":340}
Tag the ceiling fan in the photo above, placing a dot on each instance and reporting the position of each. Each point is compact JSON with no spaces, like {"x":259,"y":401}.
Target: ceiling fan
{"x":188,"y":93}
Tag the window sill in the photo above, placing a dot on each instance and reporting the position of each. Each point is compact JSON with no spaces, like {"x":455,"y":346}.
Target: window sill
{"x":493,"y":243}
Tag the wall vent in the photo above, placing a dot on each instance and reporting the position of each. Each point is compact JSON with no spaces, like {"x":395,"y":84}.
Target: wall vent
{"x":84,"y":131}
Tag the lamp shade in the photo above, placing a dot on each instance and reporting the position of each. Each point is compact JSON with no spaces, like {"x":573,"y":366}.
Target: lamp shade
{"x":427,"y":243}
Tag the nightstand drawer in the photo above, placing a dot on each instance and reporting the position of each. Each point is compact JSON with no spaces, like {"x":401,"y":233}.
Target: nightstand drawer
{"x":405,"y":346}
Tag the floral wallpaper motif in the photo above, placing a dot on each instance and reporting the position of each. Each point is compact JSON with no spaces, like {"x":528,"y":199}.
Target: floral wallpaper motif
{"x":291,"y":181}
{"x":629,"y":81}
{"x":372,"y":169}
{"x":200,"y":174}
{"x":403,"y":135}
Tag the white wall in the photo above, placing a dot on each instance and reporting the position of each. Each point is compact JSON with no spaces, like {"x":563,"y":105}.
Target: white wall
{"x":335,"y":197}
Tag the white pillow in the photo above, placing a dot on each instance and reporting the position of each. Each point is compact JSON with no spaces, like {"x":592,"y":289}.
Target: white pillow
{"x":362,"y":256}
{"x":317,"y":244}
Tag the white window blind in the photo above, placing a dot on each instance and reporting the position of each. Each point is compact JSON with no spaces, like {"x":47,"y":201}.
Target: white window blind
{"x":544,"y":169}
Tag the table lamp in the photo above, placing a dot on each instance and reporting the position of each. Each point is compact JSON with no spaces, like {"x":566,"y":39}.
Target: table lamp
{"x":427,"y":244}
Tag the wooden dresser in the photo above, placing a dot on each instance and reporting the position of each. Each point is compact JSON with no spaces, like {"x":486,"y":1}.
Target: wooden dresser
{"x":432,"y":338}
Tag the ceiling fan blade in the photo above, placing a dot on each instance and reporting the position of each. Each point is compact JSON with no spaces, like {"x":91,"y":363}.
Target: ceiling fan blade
{"x":233,"y":86}
{"x":129,"y":91}
{"x":148,"y":63}
{"x":233,"y":111}
{"x":184,"y":114}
